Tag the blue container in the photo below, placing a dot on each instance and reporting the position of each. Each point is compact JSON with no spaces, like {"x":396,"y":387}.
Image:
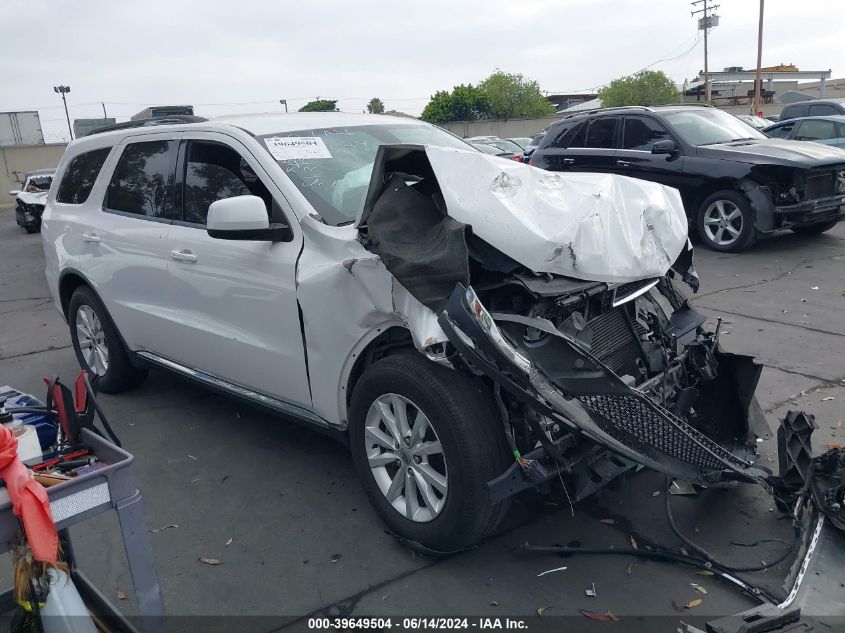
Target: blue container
{"x":45,"y":424}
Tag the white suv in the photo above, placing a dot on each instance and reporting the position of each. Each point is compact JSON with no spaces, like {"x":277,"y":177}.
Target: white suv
{"x":471,"y":326}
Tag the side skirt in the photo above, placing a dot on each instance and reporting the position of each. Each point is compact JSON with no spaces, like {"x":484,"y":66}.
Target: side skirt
{"x":244,"y":394}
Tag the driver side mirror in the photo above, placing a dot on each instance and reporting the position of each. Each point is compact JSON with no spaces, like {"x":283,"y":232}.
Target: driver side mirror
{"x":244,"y":218}
{"x":14,"y":192}
{"x":666,"y":146}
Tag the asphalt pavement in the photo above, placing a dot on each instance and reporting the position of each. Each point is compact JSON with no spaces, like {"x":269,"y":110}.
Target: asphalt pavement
{"x":279,"y":505}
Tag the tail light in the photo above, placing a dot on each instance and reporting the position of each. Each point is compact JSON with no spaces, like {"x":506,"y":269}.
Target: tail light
{"x":531,"y":161}
{"x":517,"y":158}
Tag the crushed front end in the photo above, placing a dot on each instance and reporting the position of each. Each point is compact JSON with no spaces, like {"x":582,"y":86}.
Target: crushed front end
{"x":598,"y":377}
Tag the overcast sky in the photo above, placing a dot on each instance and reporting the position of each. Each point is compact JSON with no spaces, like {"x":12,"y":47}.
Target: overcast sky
{"x":225,"y":57}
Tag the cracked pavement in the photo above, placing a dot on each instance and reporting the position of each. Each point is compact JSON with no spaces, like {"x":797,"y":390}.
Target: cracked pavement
{"x":279,"y":504}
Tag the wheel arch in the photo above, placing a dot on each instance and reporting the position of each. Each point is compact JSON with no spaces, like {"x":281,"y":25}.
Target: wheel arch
{"x":380,"y":342}
{"x":69,"y":280}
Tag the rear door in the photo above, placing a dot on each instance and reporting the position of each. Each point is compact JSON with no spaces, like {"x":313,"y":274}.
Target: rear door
{"x":125,"y":245}
{"x":235,"y":315}
{"x":634,"y":157}
{"x":592,"y":148}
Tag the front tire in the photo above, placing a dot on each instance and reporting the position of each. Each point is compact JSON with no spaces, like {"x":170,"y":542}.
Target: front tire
{"x":815,"y":229}
{"x":98,"y":346}
{"x":425,"y":440}
{"x":725,"y":222}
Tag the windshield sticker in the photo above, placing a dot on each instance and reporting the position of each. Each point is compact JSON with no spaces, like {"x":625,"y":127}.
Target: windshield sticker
{"x":297,"y":147}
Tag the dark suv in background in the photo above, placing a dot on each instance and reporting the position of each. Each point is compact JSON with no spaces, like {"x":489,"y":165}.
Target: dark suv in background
{"x":735,"y":182}
{"x":816,"y":107}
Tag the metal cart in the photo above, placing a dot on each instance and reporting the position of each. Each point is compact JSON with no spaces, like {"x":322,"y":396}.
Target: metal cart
{"x":86,"y":496}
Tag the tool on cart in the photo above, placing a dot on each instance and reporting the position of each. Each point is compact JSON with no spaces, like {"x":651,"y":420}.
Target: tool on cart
{"x":43,"y":584}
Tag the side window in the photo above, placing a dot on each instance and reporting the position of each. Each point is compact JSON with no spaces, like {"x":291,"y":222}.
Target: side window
{"x":142,"y":183}
{"x":822,"y":109}
{"x":214,"y":171}
{"x":814,"y":130}
{"x":79,"y":177}
{"x":641,"y":133}
{"x":782,"y":131}
{"x":600,"y":133}
{"x":566,"y":134}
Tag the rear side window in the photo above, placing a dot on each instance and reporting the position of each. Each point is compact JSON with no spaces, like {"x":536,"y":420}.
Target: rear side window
{"x":142,"y":183}
{"x":80,"y":175}
{"x":564,"y":134}
{"x":811,"y":130}
{"x":600,"y":133}
{"x":641,"y":133}
{"x":823,"y":109}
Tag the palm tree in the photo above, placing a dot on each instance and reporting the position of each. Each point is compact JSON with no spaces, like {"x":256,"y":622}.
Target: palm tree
{"x":375,"y":106}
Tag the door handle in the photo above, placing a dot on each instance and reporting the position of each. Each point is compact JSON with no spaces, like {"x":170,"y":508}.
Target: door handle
{"x":183,"y":255}
{"x":623,"y":163}
{"x":91,"y":237}
{"x":568,"y":161}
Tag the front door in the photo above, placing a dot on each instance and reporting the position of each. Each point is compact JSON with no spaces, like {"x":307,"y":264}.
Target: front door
{"x":237,"y":316}
{"x":634,"y":157}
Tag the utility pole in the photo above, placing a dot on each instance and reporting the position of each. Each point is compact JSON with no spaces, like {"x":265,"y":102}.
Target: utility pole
{"x":704,"y":23}
{"x":759,"y":80}
{"x":63,"y":90}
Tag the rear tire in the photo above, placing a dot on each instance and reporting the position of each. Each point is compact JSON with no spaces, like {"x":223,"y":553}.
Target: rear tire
{"x":815,"y":229}
{"x":725,"y":222}
{"x":462,"y":422}
{"x":98,"y":346}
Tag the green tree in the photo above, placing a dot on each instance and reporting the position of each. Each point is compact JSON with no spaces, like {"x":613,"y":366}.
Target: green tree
{"x":320,"y":105}
{"x":375,"y":106}
{"x":468,"y":103}
{"x":511,"y":95}
{"x":439,"y":108}
{"x":646,"y":88}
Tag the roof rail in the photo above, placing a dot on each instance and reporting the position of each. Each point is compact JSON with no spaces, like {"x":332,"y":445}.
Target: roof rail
{"x":609,"y":109}
{"x":173,"y":119}
{"x":690,"y":105}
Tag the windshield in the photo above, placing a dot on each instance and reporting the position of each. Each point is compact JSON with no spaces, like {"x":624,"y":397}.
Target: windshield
{"x":332,"y":167}
{"x":708,"y":126}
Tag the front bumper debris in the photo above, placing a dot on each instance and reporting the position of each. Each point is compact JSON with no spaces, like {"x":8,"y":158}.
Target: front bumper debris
{"x":815,"y":585}
{"x":559,"y":379}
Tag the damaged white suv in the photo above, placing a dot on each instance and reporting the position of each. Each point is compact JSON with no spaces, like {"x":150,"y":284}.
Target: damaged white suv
{"x":472,"y":326}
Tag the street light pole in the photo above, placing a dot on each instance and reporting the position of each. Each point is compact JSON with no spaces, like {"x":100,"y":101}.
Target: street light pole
{"x":63,"y":90}
{"x":284,"y":102}
{"x":758,"y":80}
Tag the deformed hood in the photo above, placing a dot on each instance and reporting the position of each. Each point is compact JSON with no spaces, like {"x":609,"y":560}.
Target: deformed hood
{"x":33,"y":197}
{"x":597,"y":227}
{"x":776,"y":151}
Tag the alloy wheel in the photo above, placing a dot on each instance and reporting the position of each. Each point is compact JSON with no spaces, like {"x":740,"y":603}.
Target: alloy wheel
{"x":92,"y":340}
{"x":406,"y":457}
{"x":723,"y":222}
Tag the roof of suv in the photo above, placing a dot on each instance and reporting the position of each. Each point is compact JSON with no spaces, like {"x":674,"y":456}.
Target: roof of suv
{"x":673,"y":107}
{"x":265,"y":123}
